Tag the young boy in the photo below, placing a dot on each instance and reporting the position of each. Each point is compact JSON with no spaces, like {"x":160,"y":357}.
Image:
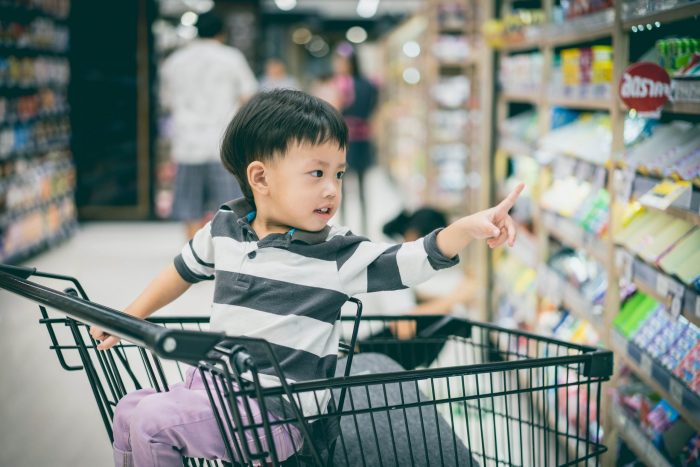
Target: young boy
{"x":281,"y":272}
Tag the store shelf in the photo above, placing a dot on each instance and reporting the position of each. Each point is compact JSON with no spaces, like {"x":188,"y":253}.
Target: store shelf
{"x":37,"y":151}
{"x":569,"y":233}
{"x":525,"y":248}
{"x":642,"y":183}
{"x":518,"y":302}
{"x":516,"y":147}
{"x":571,"y":155}
{"x":22,"y":52}
{"x":686,"y":215}
{"x":579,"y":103}
{"x":41,"y":117}
{"x":469,"y":61}
{"x":7,"y":218}
{"x":532,"y":97}
{"x":584,"y":29}
{"x":636,"y":439}
{"x":664,"y":16}
{"x":683,"y":107}
{"x":581,"y":34}
{"x":553,"y":287}
{"x":659,"y":379}
{"x":534,"y":42}
{"x":66,"y":231}
{"x":665,"y":289}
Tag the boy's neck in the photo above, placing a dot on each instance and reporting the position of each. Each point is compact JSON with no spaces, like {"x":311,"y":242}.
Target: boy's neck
{"x":264,"y":227}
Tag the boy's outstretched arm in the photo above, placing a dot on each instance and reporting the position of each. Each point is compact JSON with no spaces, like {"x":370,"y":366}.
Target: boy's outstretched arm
{"x":166,"y":287}
{"x":493,"y":224}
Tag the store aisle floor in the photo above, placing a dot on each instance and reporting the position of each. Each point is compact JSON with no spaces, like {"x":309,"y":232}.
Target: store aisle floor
{"x":48,"y":415}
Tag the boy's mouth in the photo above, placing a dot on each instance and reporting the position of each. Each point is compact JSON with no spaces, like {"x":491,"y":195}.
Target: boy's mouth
{"x":323,"y":211}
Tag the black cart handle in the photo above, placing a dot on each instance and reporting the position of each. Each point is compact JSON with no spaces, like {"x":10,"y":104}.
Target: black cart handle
{"x":175,"y":344}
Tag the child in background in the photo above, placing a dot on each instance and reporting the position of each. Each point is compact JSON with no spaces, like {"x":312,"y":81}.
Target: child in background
{"x":445,"y":292}
{"x":281,"y":272}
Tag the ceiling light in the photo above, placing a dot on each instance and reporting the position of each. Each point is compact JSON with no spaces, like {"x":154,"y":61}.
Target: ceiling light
{"x":301,"y":36}
{"x":186,"y":32}
{"x":286,"y":5}
{"x":411,"y":49}
{"x":200,"y":6}
{"x":318,"y":47}
{"x":356,"y":34}
{"x":188,"y":18}
{"x":411,"y":75}
{"x":367,"y":8}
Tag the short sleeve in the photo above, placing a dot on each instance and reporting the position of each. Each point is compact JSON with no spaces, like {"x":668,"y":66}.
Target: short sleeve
{"x":195,"y":263}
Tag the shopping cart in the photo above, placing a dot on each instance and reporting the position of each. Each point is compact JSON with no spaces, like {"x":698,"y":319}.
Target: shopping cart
{"x":476,"y":394}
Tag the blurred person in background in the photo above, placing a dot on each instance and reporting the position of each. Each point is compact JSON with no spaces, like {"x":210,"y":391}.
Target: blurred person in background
{"x":357,"y":100}
{"x":276,"y":76}
{"x":323,"y":87}
{"x":451,"y":292}
{"x":203,"y":85}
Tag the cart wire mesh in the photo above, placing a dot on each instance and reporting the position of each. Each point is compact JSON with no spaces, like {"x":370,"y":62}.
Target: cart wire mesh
{"x":456,"y":392}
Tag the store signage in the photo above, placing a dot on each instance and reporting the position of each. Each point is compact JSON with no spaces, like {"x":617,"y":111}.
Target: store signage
{"x":645,"y":87}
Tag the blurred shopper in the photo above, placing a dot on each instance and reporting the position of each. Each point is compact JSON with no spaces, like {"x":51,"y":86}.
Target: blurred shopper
{"x":449,"y":290}
{"x":324,"y":88}
{"x":358,"y":99}
{"x":276,"y":76}
{"x":203,"y":85}
{"x":445,"y":293}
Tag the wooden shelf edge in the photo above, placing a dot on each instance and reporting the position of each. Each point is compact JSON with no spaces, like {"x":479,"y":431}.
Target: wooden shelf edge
{"x":586,"y":104}
{"x":683,"y":107}
{"x":689,"y":216}
{"x":523,"y":97}
{"x":584,"y":34}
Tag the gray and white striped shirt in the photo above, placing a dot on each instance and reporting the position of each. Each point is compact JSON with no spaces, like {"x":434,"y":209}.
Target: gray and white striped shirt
{"x":288,"y":288}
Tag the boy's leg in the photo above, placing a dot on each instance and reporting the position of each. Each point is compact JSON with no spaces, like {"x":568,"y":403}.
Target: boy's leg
{"x":168,"y":425}
{"x":123,"y":414}
{"x":163,"y":427}
{"x":188,"y":201}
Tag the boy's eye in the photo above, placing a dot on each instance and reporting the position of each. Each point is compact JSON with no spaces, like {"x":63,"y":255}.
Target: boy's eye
{"x":340,"y":175}
{"x":317,"y":173}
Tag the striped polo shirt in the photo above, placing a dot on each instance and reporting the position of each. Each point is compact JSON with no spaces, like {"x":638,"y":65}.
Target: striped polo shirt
{"x":288,"y":288}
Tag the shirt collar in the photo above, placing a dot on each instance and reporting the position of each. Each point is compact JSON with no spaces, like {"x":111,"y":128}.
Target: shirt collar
{"x":245,"y":213}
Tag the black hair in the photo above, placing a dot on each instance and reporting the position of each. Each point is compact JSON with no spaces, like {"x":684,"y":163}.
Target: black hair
{"x":269,"y":122}
{"x":423,"y":221}
{"x":209,"y":25}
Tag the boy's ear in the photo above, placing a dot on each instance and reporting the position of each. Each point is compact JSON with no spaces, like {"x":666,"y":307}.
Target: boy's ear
{"x":257,"y":178}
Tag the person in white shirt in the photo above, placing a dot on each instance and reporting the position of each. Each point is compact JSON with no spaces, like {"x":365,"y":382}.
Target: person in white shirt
{"x":203,"y":85}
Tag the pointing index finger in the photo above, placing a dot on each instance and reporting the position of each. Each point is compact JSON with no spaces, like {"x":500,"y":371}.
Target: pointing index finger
{"x":512,"y":197}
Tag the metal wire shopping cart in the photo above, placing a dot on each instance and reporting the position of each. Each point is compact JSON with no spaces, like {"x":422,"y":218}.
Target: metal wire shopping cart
{"x":474,"y":394}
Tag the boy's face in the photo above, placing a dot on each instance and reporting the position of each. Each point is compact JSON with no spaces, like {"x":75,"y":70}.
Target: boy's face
{"x":305,"y":185}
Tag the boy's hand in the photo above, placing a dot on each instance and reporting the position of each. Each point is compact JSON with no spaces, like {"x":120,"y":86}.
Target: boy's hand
{"x":495,"y":223}
{"x":107,"y":340}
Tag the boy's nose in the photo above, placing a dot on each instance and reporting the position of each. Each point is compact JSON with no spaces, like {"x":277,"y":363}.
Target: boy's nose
{"x":330,"y":190}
